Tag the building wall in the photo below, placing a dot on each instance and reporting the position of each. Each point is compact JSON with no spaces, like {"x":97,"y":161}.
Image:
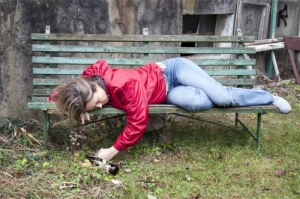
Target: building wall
{"x":287,"y":26}
{"x":20,"y":18}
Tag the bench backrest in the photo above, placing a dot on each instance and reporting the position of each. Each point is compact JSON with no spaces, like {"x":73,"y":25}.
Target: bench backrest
{"x":59,"y":57}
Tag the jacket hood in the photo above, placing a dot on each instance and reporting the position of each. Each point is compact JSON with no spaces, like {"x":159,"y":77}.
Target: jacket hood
{"x":100,"y":68}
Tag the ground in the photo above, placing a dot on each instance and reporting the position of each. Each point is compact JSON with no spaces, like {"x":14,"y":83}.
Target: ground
{"x":163,"y":163}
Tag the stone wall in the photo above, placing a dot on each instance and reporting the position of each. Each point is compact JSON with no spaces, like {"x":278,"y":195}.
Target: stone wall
{"x":19,"y":18}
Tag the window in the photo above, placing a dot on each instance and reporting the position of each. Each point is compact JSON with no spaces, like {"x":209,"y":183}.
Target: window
{"x":200,"y":25}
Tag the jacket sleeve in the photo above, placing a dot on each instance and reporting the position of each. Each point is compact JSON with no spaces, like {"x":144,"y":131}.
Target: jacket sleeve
{"x":134,"y":101}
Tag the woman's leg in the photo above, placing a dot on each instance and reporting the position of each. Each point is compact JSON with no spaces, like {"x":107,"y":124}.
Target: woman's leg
{"x":189,"y":98}
{"x":180,"y":71}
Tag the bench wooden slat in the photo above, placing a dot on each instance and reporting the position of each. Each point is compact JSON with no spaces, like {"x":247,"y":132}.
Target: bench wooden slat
{"x":140,"y":50}
{"x":138,"y":62}
{"x":230,"y":72}
{"x":42,"y":92}
{"x":57,"y":82}
{"x":234,"y":82}
{"x":165,"y":108}
{"x":57,"y":71}
{"x":140,"y":38}
{"x":224,"y":62}
{"x":86,"y":61}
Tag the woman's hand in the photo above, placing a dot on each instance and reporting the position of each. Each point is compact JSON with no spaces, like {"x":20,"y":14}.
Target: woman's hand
{"x":107,"y":154}
{"x":82,"y":117}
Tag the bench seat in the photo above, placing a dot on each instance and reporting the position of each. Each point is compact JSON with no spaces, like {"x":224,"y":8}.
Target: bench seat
{"x":166,"y":108}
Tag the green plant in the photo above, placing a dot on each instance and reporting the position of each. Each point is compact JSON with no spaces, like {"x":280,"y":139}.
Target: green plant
{"x":10,"y":123}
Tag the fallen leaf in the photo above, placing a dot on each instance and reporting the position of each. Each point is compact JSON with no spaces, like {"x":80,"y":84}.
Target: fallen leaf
{"x":151,"y":197}
{"x":65,"y":185}
{"x":127,"y":170}
{"x":280,"y":172}
{"x":46,"y":164}
{"x":252,"y":116}
{"x":116,"y":182}
{"x":86,"y":163}
{"x":120,"y":164}
{"x":156,"y":160}
{"x":19,"y":130}
{"x":224,"y":156}
{"x":187,"y":177}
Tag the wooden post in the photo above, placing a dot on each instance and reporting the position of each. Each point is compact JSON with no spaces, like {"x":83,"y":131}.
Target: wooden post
{"x":272,"y":33}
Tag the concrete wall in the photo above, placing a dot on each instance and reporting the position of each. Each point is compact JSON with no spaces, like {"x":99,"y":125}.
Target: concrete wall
{"x":19,"y":18}
{"x":291,"y":28}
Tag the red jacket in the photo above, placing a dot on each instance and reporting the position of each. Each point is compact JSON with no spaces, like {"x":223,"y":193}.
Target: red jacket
{"x":131,"y":90}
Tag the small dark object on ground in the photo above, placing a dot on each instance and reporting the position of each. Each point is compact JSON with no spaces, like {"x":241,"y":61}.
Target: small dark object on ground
{"x":110,"y":168}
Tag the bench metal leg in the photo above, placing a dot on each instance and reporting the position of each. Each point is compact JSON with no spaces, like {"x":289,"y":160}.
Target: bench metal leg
{"x":236,"y":119}
{"x":210,"y":122}
{"x":256,"y":137}
{"x":46,"y":128}
{"x":258,"y":130}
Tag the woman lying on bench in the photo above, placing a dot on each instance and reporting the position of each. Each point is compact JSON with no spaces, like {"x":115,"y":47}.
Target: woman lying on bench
{"x":177,"y":81}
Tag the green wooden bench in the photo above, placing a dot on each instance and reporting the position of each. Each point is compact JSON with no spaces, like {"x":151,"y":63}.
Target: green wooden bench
{"x":59,"y":57}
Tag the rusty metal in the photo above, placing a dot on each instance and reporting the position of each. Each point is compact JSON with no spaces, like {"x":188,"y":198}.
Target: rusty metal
{"x":293,"y":46}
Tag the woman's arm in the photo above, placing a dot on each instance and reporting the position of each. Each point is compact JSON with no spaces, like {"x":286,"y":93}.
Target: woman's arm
{"x":134,"y":101}
{"x":133,"y":98}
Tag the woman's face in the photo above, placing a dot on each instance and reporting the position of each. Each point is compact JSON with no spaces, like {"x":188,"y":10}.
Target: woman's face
{"x":98,"y":99}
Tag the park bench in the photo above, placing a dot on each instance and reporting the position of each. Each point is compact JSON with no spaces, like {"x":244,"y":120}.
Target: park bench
{"x":59,"y":57}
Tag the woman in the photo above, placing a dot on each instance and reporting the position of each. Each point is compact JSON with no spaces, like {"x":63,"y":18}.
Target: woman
{"x":175,"y":81}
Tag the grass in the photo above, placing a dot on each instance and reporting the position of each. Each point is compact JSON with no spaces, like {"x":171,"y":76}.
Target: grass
{"x":185,"y":159}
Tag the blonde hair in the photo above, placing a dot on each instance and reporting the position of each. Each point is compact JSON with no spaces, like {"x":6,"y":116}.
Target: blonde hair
{"x":73,"y":97}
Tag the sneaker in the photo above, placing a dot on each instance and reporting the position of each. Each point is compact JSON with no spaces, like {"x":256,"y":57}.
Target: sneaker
{"x":282,"y":104}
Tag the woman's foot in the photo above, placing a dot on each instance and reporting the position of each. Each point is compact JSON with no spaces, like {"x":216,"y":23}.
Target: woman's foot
{"x":282,"y":104}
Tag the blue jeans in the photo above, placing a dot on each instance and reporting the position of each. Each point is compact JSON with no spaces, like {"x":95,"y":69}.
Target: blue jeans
{"x":193,"y":89}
